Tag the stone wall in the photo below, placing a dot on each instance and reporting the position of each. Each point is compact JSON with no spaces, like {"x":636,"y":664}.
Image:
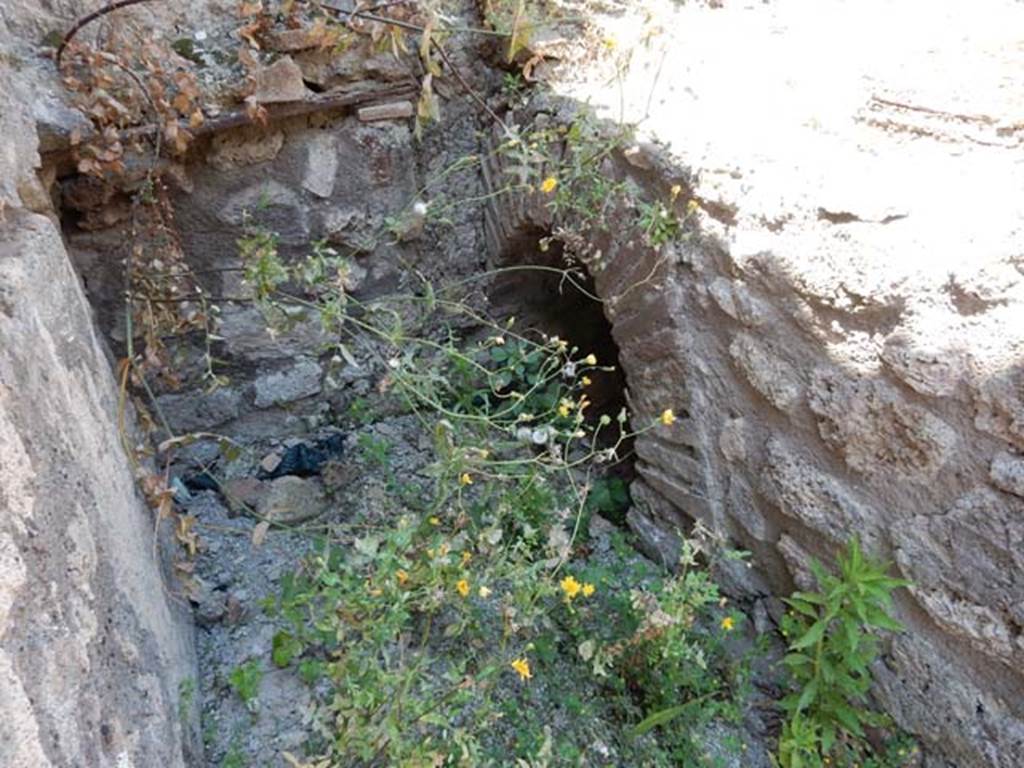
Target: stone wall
{"x":814,"y":409}
{"x":352,"y":178}
{"x":843,"y":331}
{"x":95,"y":648}
{"x":326,"y":177}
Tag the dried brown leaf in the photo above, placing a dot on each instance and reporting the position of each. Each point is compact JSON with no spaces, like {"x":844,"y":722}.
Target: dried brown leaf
{"x":182,"y":103}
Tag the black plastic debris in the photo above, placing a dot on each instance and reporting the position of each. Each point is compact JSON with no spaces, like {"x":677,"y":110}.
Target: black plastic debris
{"x":304,"y":460}
{"x":201,"y":481}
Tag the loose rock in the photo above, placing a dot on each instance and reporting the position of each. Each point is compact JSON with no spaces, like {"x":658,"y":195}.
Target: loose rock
{"x":396,"y":110}
{"x":292,"y":499}
{"x":280,"y":82}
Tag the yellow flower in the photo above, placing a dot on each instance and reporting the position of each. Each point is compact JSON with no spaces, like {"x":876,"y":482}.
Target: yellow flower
{"x":434,"y":520}
{"x":667,"y":417}
{"x":571,"y":587}
{"x":484,"y":592}
{"x":610,"y":43}
{"x":548,"y":185}
{"x":522,"y":666}
{"x":462,"y":587}
{"x":727,"y":623}
{"x":466,"y":557}
{"x":586,"y":381}
{"x":564,"y":407}
{"x":676,"y":189}
{"x":692,"y":206}
{"x":590,"y":359}
{"x":588,"y":589}
{"x":465,"y":479}
{"x":402,"y":577}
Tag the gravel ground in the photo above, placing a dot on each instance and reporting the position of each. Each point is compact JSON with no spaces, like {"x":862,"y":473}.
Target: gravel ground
{"x":240,"y":564}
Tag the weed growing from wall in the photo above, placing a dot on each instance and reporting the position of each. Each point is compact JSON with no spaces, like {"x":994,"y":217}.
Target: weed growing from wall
{"x":833,"y":642}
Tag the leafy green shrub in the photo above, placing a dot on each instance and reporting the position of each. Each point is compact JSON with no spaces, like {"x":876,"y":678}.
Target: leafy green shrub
{"x":674,"y":663}
{"x":833,"y":642}
{"x":422,"y":633}
{"x":609,"y":497}
{"x":658,"y":223}
{"x":245,"y":681}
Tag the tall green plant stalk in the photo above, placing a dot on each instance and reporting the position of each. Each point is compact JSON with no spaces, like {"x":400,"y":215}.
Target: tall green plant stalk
{"x":833,"y":634}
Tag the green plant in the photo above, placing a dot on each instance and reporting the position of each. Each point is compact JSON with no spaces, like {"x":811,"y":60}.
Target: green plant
{"x":234,"y":757}
{"x":421,"y":628}
{"x":513,"y":86}
{"x":245,"y":681}
{"x":375,"y":450}
{"x":833,"y":641}
{"x":361,"y":412}
{"x":263,"y":268}
{"x":186,"y":698}
{"x":523,"y":367}
{"x":609,"y":496}
{"x":658,"y":223}
{"x":585,"y":188}
{"x":676,"y":666}
{"x":324,"y":271}
{"x":568,"y":166}
{"x":899,"y":750}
